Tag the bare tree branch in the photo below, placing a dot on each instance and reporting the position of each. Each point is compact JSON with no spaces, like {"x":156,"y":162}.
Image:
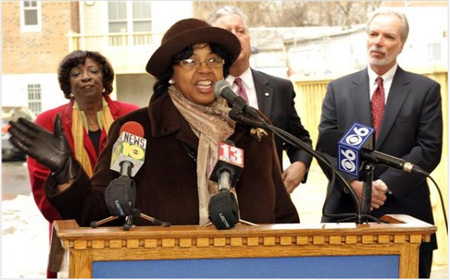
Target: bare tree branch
{"x":295,"y":13}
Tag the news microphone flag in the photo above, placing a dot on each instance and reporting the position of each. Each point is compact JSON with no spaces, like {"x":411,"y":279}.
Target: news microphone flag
{"x":128,"y":147}
{"x":358,"y":137}
{"x":229,"y":158}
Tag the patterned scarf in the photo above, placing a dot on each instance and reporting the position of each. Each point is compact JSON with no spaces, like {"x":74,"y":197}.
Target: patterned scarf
{"x":79,"y":126}
{"x":211,"y":124}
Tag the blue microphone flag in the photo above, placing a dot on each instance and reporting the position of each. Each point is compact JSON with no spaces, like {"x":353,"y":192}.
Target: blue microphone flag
{"x":358,"y":137}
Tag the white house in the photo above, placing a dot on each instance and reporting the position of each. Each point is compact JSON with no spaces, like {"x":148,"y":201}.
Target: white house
{"x":333,"y":52}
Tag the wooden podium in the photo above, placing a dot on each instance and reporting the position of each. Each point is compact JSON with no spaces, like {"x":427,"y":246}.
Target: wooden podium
{"x":327,"y":250}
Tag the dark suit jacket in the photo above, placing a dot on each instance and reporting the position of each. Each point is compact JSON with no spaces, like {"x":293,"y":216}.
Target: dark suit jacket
{"x":411,"y":129}
{"x":276,"y":100}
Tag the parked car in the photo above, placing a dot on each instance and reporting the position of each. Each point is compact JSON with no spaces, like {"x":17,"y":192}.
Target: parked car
{"x":9,"y":152}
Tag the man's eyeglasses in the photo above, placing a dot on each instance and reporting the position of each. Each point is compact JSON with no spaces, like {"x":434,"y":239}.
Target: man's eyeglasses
{"x":192,"y":63}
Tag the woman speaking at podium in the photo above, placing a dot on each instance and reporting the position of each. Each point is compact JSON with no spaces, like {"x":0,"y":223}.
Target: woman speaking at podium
{"x":182,"y":126}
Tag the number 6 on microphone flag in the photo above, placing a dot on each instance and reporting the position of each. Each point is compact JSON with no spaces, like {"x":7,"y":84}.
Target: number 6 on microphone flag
{"x":350,"y":145}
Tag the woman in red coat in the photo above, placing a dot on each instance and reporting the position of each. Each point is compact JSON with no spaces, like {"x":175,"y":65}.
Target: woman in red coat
{"x":86,"y":78}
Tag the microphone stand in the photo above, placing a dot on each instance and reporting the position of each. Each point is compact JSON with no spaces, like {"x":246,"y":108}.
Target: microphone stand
{"x":368,"y":170}
{"x":125,"y":183}
{"x":129,"y":220}
{"x":237,"y":114}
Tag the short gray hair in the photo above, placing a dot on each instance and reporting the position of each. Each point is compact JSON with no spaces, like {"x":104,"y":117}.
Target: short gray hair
{"x":227,"y":10}
{"x":404,"y":29}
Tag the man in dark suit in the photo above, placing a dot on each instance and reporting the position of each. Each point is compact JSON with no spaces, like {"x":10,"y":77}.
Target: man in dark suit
{"x":271,"y":95}
{"x":410,"y":127}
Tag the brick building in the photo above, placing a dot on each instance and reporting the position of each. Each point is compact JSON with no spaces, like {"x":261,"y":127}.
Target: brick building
{"x":33,"y":43}
{"x":36,"y":35}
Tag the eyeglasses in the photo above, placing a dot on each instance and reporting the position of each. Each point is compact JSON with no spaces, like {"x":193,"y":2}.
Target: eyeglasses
{"x":192,"y":63}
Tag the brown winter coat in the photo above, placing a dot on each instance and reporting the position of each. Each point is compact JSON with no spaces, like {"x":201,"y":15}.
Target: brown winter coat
{"x":166,"y":185}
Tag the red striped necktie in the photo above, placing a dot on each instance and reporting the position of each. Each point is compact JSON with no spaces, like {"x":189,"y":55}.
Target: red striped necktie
{"x":378,"y":106}
{"x":241,"y":90}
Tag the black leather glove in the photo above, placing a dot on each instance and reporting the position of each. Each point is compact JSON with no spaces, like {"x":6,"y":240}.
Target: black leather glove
{"x":51,"y":150}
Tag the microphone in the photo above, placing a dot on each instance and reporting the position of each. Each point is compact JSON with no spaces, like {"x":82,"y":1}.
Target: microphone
{"x":127,"y":157}
{"x":391,"y":161}
{"x":358,"y":137}
{"x":229,"y":163}
{"x":128,"y":153}
{"x":350,"y":156}
{"x":222,"y":88}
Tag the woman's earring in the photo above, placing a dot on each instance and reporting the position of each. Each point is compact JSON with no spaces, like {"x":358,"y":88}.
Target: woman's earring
{"x":71,"y":95}
{"x":171,"y":82}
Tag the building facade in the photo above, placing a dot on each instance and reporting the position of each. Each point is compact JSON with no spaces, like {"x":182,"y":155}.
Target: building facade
{"x":33,"y":43}
{"x":36,"y":35}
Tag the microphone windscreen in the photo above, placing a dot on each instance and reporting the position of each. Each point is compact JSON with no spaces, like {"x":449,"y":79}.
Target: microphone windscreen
{"x":218,"y":87}
{"x":132,"y":127}
{"x":328,"y":142}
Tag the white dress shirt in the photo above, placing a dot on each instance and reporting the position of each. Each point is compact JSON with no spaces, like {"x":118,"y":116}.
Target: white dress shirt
{"x":388,"y":77}
{"x":249,"y":85}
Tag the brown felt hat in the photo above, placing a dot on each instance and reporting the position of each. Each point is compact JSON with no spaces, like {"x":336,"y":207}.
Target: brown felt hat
{"x":187,"y":32}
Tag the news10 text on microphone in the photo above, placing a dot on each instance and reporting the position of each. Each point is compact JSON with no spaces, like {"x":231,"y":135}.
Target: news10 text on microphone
{"x":131,"y":148}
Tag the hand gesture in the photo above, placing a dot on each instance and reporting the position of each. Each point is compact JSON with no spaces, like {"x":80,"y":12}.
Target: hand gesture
{"x":51,"y":150}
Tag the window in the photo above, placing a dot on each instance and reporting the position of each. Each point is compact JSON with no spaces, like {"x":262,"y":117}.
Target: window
{"x":34,"y":98}
{"x":129,"y":18}
{"x":434,"y":51}
{"x":117,"y":14}
{"x":30,"y":16}
{"x":142,"y":17}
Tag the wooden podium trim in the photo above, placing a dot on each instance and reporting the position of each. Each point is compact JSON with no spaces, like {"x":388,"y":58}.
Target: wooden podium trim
{"x":79,"y":238}
{"x":402,"y":238}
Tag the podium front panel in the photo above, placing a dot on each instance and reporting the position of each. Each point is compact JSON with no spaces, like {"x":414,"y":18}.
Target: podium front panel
{"x":386,"y":266}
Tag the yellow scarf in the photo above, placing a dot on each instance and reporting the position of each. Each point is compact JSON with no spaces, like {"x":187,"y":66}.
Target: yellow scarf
{"x":79,"y":126}
{"x":211,"y":124}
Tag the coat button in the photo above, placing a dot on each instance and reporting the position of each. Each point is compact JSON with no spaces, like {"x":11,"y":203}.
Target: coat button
{"x":266,"y":94}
